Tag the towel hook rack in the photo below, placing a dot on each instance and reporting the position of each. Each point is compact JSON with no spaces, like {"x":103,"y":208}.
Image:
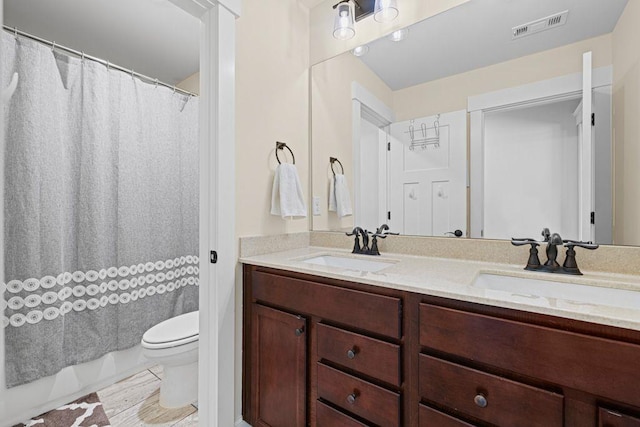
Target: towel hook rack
{"x":282,"y":146}
{"x":333,"y":160}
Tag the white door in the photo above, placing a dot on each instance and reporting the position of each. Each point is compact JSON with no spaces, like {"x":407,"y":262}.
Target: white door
{"x":427,"y":161}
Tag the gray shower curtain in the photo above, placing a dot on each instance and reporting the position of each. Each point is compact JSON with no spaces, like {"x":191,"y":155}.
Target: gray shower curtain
{"x":101,"y":209}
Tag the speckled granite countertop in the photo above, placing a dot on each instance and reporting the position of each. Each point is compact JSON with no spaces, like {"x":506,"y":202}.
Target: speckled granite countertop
{"x":453,"y":278}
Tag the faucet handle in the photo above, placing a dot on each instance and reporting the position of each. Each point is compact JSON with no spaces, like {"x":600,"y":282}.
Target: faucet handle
{"x":533,"y":263}
{"x":586,"y":245}
{"x":524,"y":241}
{"x":354,"y":232}
{"x":356,"y":242}
{"x":570,"y":266}
{"x":383,"y":232}
{"x":382,"y":229}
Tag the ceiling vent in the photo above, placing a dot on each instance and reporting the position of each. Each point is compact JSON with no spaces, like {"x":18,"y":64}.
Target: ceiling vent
{"x":539,"y":25}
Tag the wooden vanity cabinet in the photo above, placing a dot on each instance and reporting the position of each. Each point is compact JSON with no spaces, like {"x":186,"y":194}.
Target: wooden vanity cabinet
{"x":281,"y":347}
{"x":324,"y":352}
{"x":491,"y":366}
{"x":351,"y":350}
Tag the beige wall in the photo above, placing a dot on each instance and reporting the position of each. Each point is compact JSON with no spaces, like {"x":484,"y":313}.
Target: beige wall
{"x":323,"y":46}
{"x":451,"y":93}
{"x":272,"y":96}
{"x":626,"y":123}
{"x":331,"y":126}
{"x":191,"y":83}
{"x":272,"y":104}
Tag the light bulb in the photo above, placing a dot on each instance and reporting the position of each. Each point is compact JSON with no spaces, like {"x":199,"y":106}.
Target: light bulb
{"x":399,"y":35}
{"x":343,"y":27}
{"x":385,"y":10}
{"x":360,"y":50}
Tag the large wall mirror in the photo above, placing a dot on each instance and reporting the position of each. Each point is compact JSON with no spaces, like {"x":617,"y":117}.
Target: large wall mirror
{"x":493,"y":119}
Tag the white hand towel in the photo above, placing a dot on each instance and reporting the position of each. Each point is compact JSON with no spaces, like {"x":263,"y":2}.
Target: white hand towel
{"x":286,"y":196}
{"x":339,"y":197}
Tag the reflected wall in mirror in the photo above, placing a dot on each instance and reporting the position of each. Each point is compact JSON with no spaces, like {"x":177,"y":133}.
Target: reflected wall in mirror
{"x":475,"y":123}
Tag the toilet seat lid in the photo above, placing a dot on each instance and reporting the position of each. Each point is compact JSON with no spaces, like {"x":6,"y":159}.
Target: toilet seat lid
{"x":183,"y":329}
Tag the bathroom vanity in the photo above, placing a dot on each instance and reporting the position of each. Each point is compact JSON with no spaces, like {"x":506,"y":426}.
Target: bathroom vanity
{"x":337,"y":349}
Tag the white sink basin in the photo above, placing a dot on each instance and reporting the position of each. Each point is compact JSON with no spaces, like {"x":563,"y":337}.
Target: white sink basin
{"x":557,"y":293}
{"x":348,"y":263}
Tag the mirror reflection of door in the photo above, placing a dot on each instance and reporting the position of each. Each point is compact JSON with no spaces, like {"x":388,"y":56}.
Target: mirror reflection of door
{"x":559,"y":176}
{"x":427,"y":175}
{"x":373,"y":174}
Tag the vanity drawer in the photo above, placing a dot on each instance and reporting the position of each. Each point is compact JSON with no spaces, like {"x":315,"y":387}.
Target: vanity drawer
{"x":487,"y":397}
{"x":429,"y":417}
{"x":366,"y":355}
{"x":611,"y":418}
{"x":326,"y":416}
{"x":599,"y":366}
{"x":363,"y":310}
{"x":369,"y":401}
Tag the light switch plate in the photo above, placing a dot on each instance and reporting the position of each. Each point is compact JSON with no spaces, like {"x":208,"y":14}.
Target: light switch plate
{"x":316,"y":205}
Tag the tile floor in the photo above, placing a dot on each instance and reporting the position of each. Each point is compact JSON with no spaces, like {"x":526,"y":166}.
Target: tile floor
{"x":133,"y":402}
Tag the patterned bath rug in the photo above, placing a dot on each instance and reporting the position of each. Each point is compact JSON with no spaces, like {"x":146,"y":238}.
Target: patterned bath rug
{"x":84,"y":412}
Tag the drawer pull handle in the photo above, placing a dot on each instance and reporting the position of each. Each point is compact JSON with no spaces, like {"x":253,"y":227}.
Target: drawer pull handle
{"x":351,"y":354}
{"x":299,"y":331}
{"x":480,"y":400}
{"x":352,"y":398}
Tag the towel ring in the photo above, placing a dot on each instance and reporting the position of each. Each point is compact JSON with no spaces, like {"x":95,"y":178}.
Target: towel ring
{"x":332,"y":160}
{"x":282,"y":146}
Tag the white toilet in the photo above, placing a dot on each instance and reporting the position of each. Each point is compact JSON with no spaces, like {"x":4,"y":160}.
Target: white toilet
{"x":174,"y":345}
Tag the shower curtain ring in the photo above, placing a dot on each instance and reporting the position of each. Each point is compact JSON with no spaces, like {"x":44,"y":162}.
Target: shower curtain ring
{"x":82,"y":57}
{"x":133,"y":77}
{"x":53,"y":46}
{"x":15,"y":32}
{"x":156,"y":83}
{"x":108,"y":66}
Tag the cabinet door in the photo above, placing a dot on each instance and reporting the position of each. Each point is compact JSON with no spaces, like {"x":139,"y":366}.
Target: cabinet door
{"x":279,"y":351}
{"x":610,"y":418}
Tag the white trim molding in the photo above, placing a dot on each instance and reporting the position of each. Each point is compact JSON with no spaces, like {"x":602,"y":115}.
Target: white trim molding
{"x":217,"y":218}
{"x":539,"y":91}
{"x":198,"y":8}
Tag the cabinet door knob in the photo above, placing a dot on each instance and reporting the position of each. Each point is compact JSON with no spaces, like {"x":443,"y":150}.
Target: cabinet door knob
{"x":480,"y":400}
{"x":351,"y":354}
{"x":352,"y":398}
{"x":299,"y":331}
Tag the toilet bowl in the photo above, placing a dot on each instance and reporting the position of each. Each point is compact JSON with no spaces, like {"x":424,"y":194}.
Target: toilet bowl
{"x":174,"y":345}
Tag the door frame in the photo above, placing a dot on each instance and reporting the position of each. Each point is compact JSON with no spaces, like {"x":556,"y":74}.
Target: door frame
{"x":216,"y":384}
{"x":544,"y":91}
{"x":217,"y":208}
{"x":363,"y":102}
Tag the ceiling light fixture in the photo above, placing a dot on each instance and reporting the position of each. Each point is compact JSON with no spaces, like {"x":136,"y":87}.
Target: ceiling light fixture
{"x":344,"y":24}
{"x":360,"y":50}
{"x":399,"y":35}
{"x":385,"y":10}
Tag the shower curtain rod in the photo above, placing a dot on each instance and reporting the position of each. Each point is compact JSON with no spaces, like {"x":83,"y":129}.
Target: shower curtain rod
{"x":54,"y":45}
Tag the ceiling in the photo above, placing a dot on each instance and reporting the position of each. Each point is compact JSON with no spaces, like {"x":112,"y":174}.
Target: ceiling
{"x":478,"y":34}
{"x":310,"y":4}
{"x":153,"y":37}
